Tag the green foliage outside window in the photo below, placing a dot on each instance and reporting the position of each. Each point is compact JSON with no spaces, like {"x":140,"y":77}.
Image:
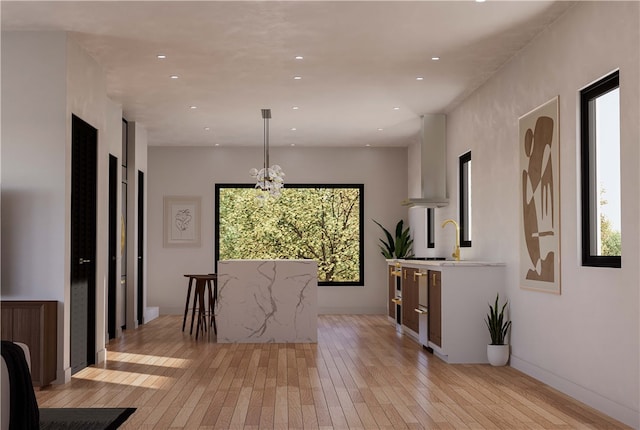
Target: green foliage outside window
{"x":610,"y":238}
{"x":323,"y":223}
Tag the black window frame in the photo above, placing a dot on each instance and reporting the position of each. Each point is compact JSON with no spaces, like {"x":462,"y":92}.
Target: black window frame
{"x":464,"y":206}
{"x":430,"y":227}
{"x":360,"y":187}
{"x":593,"y":91}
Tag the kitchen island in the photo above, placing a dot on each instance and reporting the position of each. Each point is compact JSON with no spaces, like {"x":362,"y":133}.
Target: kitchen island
{"x":262,"y":301}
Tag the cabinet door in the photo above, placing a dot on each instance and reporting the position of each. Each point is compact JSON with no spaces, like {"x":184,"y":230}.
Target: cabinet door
{"x":34,"y":323}
{"x":392,"y":293}
{"x":6,"y":327}
{"x":409,"y":298}
{"x":435,"y":307}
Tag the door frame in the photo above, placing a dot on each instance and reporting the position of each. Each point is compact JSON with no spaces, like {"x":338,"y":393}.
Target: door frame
{"x":77,"y":122}
{"x":112,"y":266}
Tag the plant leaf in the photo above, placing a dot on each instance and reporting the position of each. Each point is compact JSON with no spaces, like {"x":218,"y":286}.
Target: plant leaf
{"x":390,"y":245}
{"x":496,"y":323}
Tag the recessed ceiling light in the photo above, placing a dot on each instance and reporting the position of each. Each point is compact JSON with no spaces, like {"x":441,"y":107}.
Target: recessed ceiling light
{"x":295,"y":108}
{"x":193,"y":107}
{"x":419,"y":78}
{"x":174,"y":76}
{"x":217,"y":144}
{"x":297,"y":78}
{"x":380,"y":129}
{"x":293,"y":144}
{"x":396,"y":108}
{"x":299,"y":57}
{"x":480,"y":1}
{"x":161,"y":56}
{"x":207,"y":128}
{"x":293,"y":129}
{"x":368,"y":145}
{"x":435,"y":58}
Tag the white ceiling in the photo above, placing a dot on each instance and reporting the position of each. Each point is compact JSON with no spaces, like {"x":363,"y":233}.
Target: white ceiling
{"x":361,"y":60}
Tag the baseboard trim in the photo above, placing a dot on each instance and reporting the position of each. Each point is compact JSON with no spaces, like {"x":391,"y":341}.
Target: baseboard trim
{"x":607,"y":406}
{"x":101,"y":356}
{"x":64,"y":376}
{"x":151,"y":313}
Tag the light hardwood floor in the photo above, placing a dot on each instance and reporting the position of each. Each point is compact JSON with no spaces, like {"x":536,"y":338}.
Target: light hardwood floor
{"x":361,"y":374}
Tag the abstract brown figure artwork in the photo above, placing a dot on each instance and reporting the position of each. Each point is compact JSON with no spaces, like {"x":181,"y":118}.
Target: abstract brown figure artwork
{"x":540,"y":212}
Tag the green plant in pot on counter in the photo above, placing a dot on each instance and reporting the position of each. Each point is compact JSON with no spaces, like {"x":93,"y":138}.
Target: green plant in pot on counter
{"x":399,"y":247}
{"x":498,"y":325}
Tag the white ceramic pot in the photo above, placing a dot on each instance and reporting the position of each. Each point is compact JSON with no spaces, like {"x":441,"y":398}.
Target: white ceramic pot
{"x":498,"y":355}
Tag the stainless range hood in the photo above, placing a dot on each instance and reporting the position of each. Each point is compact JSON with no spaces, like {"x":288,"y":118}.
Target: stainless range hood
{"x":428,"y":165}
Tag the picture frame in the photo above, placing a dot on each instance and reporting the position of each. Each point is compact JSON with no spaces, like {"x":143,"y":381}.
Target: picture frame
{"x":181,"y":221}
{"x":539,"y":149}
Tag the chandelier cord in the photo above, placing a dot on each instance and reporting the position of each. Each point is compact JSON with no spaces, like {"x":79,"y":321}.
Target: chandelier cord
{"x":266,"y":147}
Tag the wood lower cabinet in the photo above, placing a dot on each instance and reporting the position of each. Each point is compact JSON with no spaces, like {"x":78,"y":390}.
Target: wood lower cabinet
{"x":435,"y":306}
{"x":34,"y":323}
{"x":457,"y":297}
{"x":410,"y":298}
{"x":392,"y":292}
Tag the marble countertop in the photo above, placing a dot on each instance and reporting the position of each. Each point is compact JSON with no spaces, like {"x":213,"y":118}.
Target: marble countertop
{"x":446,"y":263}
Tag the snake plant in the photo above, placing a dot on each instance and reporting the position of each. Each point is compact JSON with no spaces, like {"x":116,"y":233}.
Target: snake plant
{"x":398,"y":247}
{"x":496,"y":323}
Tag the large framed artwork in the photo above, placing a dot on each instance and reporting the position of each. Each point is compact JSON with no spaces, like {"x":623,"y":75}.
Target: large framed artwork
{"x":181,"y":221}
{"x":540,"y":198}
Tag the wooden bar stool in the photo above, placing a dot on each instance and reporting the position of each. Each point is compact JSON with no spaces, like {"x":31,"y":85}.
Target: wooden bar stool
{"x":204,"y":300}
{"x":186,"y":305}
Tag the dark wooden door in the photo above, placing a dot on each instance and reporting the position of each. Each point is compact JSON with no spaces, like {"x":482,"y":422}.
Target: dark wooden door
{"x":409,"y":298}
{"x":84,"y":148}
{"x":140,"y":292}
{"x":435,"y":307}
{"x":112,"y":281}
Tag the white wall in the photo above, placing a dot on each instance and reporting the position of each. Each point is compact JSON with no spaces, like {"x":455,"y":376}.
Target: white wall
{"x":86,"y":98}
{"x":585,"y":341}
{"x":136,"y":161}
{"x":34,"y":207}
{"x":194,"y":172}
{"x":114,"y":147}
{"x":46,"y":78}
{"x":33,"y":165}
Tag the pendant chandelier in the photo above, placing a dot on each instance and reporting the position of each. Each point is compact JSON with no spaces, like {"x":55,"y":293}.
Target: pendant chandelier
{"x":269,"y":180}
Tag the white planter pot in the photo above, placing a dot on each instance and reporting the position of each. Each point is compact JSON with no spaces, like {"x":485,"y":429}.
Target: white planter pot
{"x":498,"y":355}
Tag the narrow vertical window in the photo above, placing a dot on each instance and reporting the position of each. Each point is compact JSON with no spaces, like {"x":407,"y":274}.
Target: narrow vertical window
{"x":600,"y":171}
{"x":465,"y":200}
{"x":430,"y":231}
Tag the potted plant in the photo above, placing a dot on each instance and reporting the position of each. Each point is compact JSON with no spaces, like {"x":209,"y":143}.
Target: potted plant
{"x":401,"y":246}
{"x":497,"y":351}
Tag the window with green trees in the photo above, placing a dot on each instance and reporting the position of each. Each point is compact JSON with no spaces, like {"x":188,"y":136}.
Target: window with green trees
{"x":600,"y":171}
{"x":319,"y":222}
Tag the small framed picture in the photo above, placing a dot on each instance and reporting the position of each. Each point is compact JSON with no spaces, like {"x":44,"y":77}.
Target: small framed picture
{"x":181,"y":221}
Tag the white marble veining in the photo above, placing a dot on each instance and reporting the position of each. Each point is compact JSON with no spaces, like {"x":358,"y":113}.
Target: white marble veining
{"x":267,"y":301}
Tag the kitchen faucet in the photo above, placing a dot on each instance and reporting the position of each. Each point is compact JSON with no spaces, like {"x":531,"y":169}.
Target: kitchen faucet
{"x":456,"y":251}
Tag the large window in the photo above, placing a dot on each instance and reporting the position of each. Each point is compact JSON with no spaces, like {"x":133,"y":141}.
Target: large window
{"x":600,"y":141}
{"x":465,"y":199}
{"x":319,"y":222}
